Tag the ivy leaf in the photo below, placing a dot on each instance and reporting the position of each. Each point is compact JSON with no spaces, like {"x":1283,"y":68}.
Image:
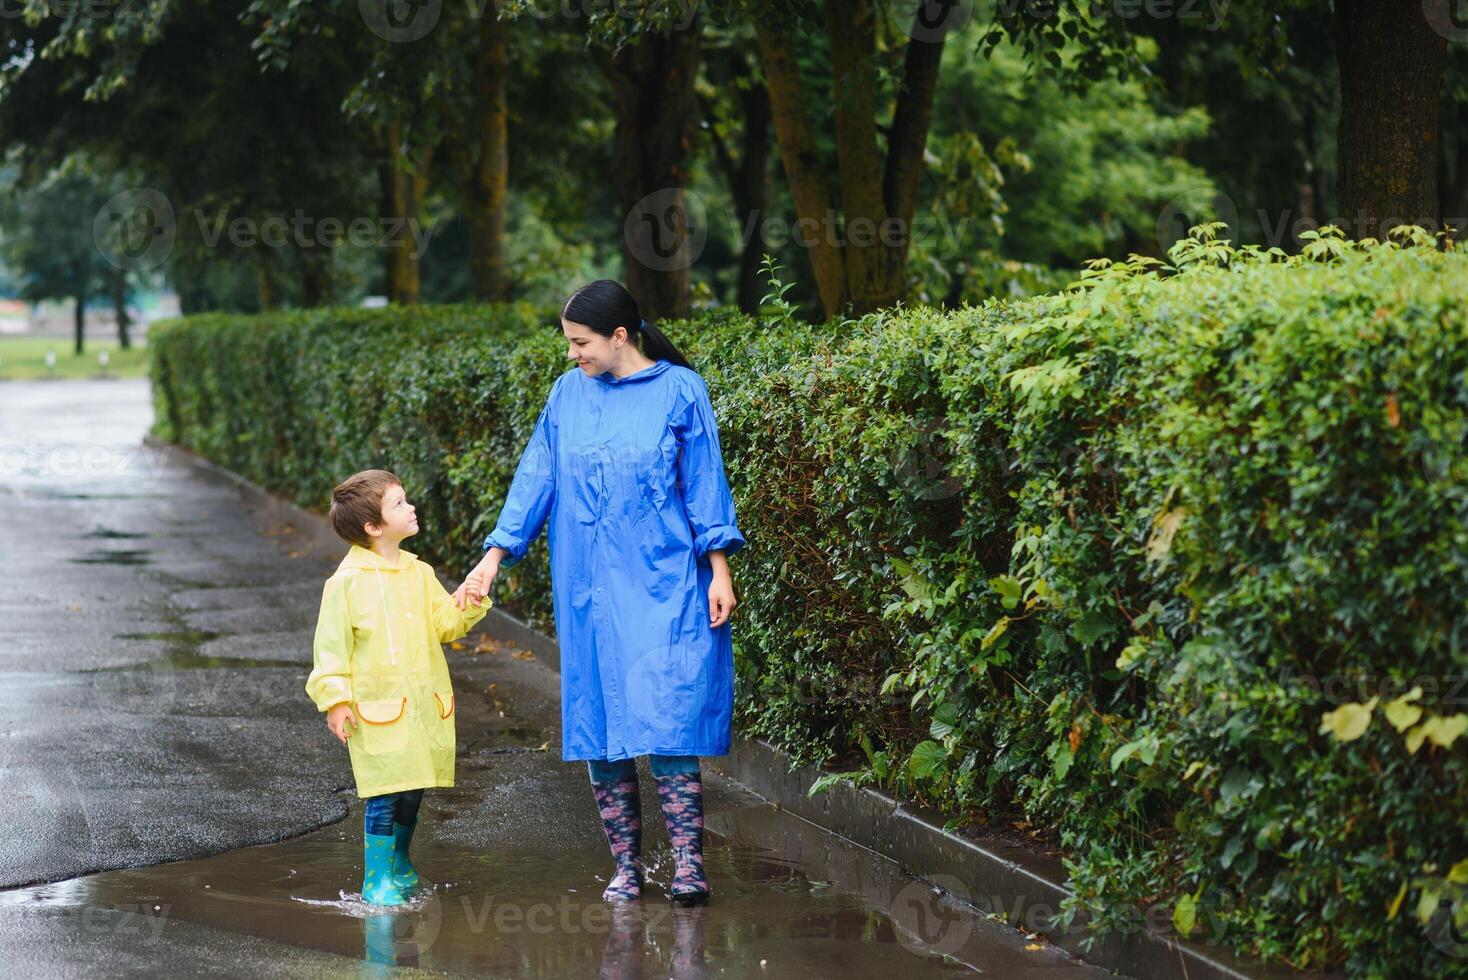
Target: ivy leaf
{"x":1090,"y":627}
{"x":1401,"y":712}
{"x":1009,"y":589}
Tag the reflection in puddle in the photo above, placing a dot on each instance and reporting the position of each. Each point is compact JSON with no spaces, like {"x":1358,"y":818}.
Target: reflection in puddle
{"x":800,"y":902}
{"x":119,"y":557}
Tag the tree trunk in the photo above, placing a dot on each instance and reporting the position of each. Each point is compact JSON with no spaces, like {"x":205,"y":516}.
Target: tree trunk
{"x":873,"y":277}
{"x":746,"y":174}
{"x":864,"y":262}
{"x":657,"y":117}
{"x":484,"y":166}
{"x":269,"y":289}
{"x":1391,"y":68}
{"x":402,"y":198}
{"x":81,"y":318}
{"x":119,"y":309}
{"x":1453,"y":175}
{"x":805,"y":171}
{"x":750,"y":192}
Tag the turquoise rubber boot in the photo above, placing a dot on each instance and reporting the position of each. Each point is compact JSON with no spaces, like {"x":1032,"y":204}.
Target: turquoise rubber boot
{"x":404,"y":875}
{"x":378,"y":885}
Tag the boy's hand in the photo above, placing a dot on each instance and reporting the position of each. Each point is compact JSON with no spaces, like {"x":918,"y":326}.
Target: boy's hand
{"x":341,"y":721}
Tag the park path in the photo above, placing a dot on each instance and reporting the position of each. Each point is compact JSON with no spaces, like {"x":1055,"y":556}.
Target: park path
{"x":176,"y":805}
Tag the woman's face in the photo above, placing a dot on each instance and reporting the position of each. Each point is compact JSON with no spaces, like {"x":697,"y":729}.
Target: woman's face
{"x":593,"y":352}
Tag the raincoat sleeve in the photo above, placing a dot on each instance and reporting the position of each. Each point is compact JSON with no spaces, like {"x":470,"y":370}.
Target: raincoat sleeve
{"x":449,"y":621}
{"x":706,"y":496}
{"x":330,"y":682}
{"x":531,"y":491}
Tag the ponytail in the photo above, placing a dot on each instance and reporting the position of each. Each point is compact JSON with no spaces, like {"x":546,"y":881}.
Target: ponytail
{"x":659,"y":348}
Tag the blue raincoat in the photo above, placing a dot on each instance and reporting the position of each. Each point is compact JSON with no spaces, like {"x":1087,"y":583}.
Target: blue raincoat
{"x":630,"y":475}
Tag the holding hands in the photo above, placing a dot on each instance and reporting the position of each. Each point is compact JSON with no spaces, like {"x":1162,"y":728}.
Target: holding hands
{"x":477,"y":584}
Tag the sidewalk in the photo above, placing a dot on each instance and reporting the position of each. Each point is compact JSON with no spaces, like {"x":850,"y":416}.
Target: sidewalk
{"x":158,"y":623}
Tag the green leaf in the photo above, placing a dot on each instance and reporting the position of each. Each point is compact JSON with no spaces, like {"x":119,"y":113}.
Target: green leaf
{"x":1185,"y":915}
{"x":1401,"y":713}
{"x":1091,"y":627}
{"x":927,"y":760}
{"x":1348,"y":722}
{"x":1009,"y":588}
{"x":995,"y":632}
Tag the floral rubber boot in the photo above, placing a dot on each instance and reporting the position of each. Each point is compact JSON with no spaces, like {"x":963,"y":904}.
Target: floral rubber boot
{"x":681,"y":797}
{"x":621,"y":818}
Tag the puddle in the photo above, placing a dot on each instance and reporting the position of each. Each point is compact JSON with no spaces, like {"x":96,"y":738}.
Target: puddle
{"x":194,"y":661}
{"x":120,"y":557}
{"x":55,"y":495}
{"x":192,"y":638}
{"x":789,"y":900}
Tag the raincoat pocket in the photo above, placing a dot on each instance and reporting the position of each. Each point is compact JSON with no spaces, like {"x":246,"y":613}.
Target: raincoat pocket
{"x":442,"y":725}
{"x":384,"y":725}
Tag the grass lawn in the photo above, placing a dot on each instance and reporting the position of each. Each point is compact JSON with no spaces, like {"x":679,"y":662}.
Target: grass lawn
{"x":24,"y":358}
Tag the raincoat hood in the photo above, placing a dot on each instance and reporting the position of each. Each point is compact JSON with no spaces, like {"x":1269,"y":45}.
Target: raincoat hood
{"x":360,"y":557}
{"x":646,"y":374}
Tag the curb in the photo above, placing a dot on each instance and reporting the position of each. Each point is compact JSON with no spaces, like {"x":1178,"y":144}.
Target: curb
{"x":1023,"y":886}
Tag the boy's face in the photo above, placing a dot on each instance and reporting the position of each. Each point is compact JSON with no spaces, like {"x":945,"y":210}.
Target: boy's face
{"x":399,"y":518}
{"x":593,"y":352}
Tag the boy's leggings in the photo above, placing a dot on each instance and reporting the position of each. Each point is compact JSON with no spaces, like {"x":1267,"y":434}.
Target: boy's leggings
{"x":624,"y":770}
{"x":383,"y":811}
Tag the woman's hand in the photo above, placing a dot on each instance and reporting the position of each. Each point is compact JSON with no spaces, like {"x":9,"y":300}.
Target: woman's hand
{"x":477,"y":583}
{"x":721,"y":599}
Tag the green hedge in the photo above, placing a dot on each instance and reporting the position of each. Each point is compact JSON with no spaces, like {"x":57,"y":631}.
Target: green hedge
{"x":1134,"y":558}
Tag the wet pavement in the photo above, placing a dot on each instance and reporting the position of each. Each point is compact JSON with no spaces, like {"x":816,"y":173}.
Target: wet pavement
{"x":176,"y":805}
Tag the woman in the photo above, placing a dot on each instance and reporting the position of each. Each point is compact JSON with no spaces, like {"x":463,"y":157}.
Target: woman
{"x":625,"y":463}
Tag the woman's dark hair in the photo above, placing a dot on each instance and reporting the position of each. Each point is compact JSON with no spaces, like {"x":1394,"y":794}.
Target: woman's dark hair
{"x":605,"y":305}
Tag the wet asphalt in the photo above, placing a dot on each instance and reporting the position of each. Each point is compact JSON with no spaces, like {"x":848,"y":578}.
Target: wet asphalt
{"x":173,"y":802}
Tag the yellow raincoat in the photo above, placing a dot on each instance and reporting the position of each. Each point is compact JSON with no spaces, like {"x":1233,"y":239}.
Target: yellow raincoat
{"x":377,"y":646}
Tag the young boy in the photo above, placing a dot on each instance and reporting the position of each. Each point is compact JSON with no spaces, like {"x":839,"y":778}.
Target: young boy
{"x":380,"y":674}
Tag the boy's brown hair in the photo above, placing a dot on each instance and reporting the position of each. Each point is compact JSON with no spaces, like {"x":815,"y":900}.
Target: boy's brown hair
{"x":357,"y":501}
